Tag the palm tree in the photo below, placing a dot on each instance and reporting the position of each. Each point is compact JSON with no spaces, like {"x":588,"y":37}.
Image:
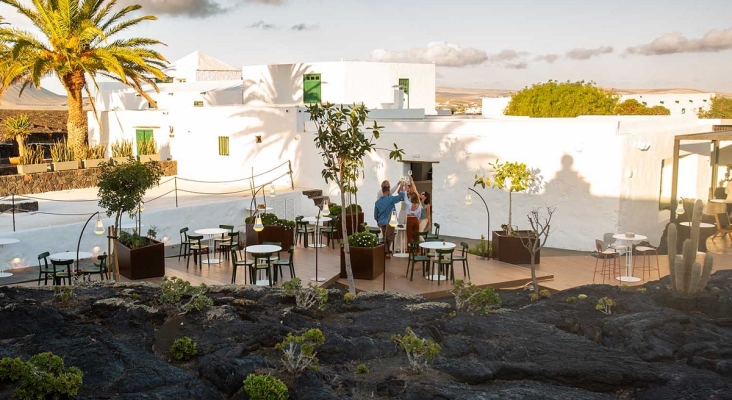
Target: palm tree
{"x":76,"y":44}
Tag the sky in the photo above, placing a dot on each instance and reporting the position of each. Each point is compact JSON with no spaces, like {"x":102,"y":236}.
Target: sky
{"x":638,"y":44}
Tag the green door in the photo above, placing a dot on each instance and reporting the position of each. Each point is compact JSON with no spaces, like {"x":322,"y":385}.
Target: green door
{"x":311,"y":88}
{"x":142,"y":135}
{"x":404,"y":82}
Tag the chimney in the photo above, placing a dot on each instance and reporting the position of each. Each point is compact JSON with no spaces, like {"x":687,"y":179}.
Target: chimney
{"x":398,"y":97}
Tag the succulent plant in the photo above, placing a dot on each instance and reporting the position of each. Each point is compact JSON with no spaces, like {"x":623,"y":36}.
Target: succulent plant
{"x":687,"y":275}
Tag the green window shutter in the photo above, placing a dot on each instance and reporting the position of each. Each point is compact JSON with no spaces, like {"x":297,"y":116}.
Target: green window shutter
{"x":198,"y":103}
{"x":142,"y":135}
{"x":311,"y":88}
{"x":223,"y":145}
{"x":404,"y":82}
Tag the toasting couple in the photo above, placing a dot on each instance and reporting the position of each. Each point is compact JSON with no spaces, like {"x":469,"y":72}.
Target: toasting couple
{"x":418,"y":210}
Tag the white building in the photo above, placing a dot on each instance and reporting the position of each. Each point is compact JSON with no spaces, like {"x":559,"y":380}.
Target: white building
{"x":342,"y":82}
{"x":494,"y":106}
{"x":197,"y":67}
{"x":680,"y":104}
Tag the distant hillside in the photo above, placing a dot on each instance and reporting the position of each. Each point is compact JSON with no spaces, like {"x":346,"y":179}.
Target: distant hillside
{"x":32,"y":99}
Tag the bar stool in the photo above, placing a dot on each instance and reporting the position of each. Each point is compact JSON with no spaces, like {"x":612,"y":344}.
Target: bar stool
{"x":610,"y":259}
{"x":646,"y":252}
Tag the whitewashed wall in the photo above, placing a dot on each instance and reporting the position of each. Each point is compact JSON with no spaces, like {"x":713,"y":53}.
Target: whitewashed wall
{"x":343,"y":82}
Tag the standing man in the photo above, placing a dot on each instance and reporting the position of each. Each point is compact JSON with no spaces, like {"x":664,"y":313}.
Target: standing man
{"x":383,"y":209}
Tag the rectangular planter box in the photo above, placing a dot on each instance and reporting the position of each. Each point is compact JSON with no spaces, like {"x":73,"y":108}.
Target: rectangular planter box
{"x":271,"y":234}
{"x":148,"y":157}
{"x":64,"y":165}
{"x":92,"y":163}
{"x":32,"y":168}
{"x":366,"y":262}
{"x":145,"y":262}
{"x":510,"y":249}
{"x":353,"y":224}
{"x":119,"y":160}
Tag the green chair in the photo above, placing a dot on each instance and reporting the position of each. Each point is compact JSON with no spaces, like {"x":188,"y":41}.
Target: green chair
{"x":303,"y":229}
{"x":185,"y":243}
{"x":59,"y":275}
{"x":98,"y":268}
{"x":262,"y":262}
{"x":197,"y":249}
{"x":223,"y":242}
{"x":435,"y":235}
{"x":232,"y":239}
{"x":463,"y":258}
{"x":279,"y":264}
{"x":274,"y":257}
{"x":414,"y":258}
{"x":236,"y":262}
{"x":443,"y":261}
{"x":330,"y":232}
{"x":44,"y":269}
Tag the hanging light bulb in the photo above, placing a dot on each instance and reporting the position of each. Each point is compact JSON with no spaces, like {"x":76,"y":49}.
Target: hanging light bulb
{"x":468,"y":199}
{"x":258,"y":227}
{"x":99,"y":227}
{"x":272,"y":191}
{"x":141,"y":206}
{"x":393,"y":220}
{"x":680,"y":207}
{"x":326,"y":209}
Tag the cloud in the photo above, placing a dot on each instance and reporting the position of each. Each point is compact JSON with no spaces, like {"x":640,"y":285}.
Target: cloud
{"x":262,"y":25}
{"x":506,"y":55}
{"x":441,"y":53}
{"x":517,"y":65}
{"x":671,"y":43}
{"x":305,"y":27}
{"x":585,"y":54}
{"x":548,"y":58}
{"x":195,"y":8}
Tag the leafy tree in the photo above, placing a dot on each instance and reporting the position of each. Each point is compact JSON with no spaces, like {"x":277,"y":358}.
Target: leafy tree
{"x":721,"y":108}
{"x":514,"y":176}
{"x":633,"y":107}
{"x":342,"y":141}
{"x":78,"y":40}
{"x":565,"y":100}
{"x":17,"y":127}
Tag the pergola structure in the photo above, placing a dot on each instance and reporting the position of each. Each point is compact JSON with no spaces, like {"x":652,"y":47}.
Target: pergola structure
{"x":720,"y":133}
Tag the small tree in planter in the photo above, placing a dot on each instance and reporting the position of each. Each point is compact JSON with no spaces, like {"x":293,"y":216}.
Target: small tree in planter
{"x":17,"y":128}
{"x":342,"y":141}
{"x":121,"y":188}
{"x":540,"y":228}
{"x":368,"y":260}
{"x":514,"y":176}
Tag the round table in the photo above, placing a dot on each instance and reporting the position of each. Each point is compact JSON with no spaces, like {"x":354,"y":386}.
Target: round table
{"x":401,"y":239}
{"x":211,"y":232}
{"x":628,"y":277}
{"x":702,"y":237}
{"x":70,"y":255}
{"x":263,"y":248}
{"x":437,"y":246}
{"x":3,"y":242}
{"x":317,"y":222}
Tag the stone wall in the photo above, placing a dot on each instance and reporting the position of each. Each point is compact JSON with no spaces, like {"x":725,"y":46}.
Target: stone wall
{"x":62,"y":180}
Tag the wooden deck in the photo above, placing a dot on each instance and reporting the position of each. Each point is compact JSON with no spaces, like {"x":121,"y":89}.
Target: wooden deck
{"x":559,"y":270}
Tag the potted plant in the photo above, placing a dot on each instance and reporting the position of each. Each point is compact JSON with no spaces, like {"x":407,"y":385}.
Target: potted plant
{"x":32,"y":160}
{"x":354,"y":219}
{"x":62,"y":158}
{"x":121,"y":151}
{"x":367,"y":256}
{"x":121,"y":188}
{"x":17,"y":128}
{"x":275,"y":230}
{"x":140,"y":257}
{"x":507,"y":244}
{"x":342,"y":142}
{"x":147,"y":150}
{"x":93,"y":155}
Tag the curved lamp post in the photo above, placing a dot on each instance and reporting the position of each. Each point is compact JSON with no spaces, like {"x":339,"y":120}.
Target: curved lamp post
{"x":469,"y":201}
{"x":98,"y":229}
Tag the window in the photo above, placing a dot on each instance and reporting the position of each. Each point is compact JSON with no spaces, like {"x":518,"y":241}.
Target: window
{"x":661,"y":101}
{"x":142,"y":135}
{"x":311,"y":88}
{"x":167,"y":79}
{"x":683,"y":111}
{"x":223,"y":145}
{"x":198,"y":103}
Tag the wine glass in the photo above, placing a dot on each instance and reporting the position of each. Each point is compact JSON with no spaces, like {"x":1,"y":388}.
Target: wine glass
{"x":409,"y":172}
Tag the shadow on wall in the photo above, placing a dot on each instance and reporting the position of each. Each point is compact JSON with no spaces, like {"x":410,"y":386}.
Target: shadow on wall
{"x":268,"y":92}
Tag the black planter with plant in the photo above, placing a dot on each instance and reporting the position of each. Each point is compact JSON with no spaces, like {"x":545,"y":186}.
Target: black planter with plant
{"x":368,"y":260}
{"x":140,"y":257}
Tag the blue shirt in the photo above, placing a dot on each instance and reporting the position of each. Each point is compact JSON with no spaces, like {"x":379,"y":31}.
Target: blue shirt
{"x":383,"y":207}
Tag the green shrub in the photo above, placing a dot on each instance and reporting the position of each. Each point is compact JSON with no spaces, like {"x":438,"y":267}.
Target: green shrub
{"x":172,"y":290}
{"x":93,"y":152}
{"x":544,"y":293}
{"x":533,"y":296}
{"x":122,"y":148}
{"x":471,"y":297}
{"x":353,"y":209}
{"x":605,"y":305}
{"x":484,"y":248}
{"x":60,"y":152}
{"x":269,"y":219}
{"x":419,"y":351}
{"x":349,"y":297}
{"x":641,"y":290}
{"x":363,"y":239}
{"x":306,"y":297}
{"x":265,"y":387}
{"x":32,"y":154}
{"x":184,"y":348}
{"x":581,"y":296}
{"x":300,"y":350}
{"x":362,"y":369}
{"x":63,"y":293}
{"x":42,"y":376}
{"x":571,"y":299}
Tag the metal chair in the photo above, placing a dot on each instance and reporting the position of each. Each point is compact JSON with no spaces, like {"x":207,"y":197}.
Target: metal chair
{"x":443,"y":260}
{"x":610,"y":259}
{"x":435,"y":235}
{"x":44,"y":269}
{"x":184,"y":243}
{"x":197,"y":249}
{"x":58,"y":274}
{"x":235,"y":262}
{"x":610,"y":242}
{"x":98,"y":268}
{"x":223,"y":242}
{"x":463,"y":258}
{"x":303,"y":229}
{"x":262,"y":262}
{"x":646,"y":252}
{"x":329,"y":231}
{"x":414,"y":258}
{"x":279,"y":264}
{"x":723,"y":225}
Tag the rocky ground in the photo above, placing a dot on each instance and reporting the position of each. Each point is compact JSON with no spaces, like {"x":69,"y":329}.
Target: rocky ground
{"x":655,"y":345}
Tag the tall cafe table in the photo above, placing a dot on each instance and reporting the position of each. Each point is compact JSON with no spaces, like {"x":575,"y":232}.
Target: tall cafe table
{"x":3,"y":242}
{"x":628,"y":277}
{"x":437,"y":246}
{"x":211,"y":232}
{"x":318,"y":242}
{"x":70,"y":255}
{"x":263,"y":249}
